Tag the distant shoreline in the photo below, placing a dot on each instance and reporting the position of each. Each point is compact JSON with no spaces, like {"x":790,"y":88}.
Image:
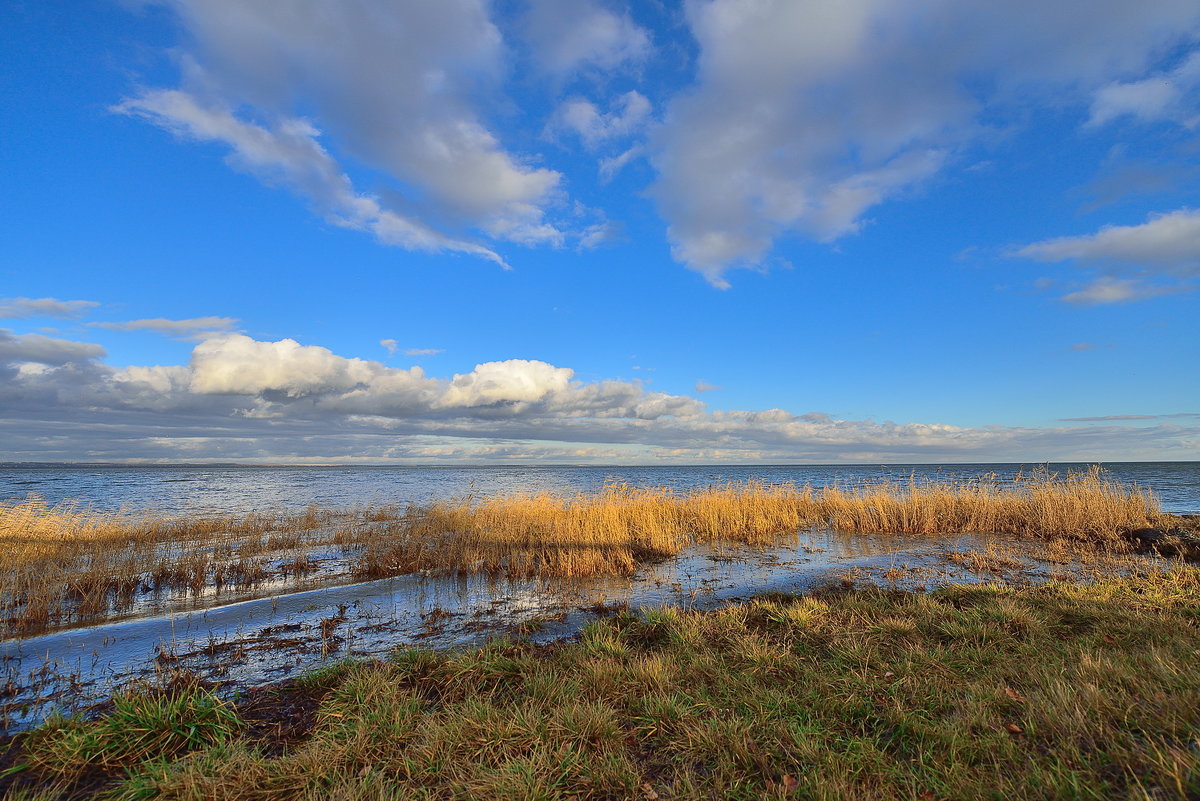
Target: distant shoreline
{"x":619,"y":466}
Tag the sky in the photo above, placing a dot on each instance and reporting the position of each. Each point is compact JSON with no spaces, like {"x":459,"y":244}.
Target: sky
{"x":596,"y":231}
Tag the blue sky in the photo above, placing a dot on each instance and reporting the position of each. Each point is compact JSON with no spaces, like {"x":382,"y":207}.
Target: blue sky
{"x":596,"y":231}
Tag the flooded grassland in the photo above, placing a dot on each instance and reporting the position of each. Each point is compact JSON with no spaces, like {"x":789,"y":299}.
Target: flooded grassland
{"x":91,"y":602}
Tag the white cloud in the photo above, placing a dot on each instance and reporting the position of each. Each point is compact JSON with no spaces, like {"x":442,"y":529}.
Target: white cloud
{"x":1107,"y":289}
{"x":395,"y":85}
{"x":192,"y":326}
{"x":21,"y":308}
{"x":568,"y":35}
{"x":239,"y":365}
{"x":241,"y":398}
{"x":393,"y":346}
{"x":704,"y":386}
{"x":609,"y":167}
{"x":16,"y":348}
{"x":807,"y":114}
{"x":1168,"y":243}
{"x":512,"y":381}
{"x":1162,"y":96}
{"x":630,"y":113}
{"x":290,"y":155}
{"x":1162,"y":255}
{"x":599,"y":234}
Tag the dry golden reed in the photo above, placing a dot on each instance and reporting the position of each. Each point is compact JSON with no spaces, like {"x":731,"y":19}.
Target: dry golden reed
{"x":70,"y":563}
{"x":66,"y":563}
{"x":612,"y":530}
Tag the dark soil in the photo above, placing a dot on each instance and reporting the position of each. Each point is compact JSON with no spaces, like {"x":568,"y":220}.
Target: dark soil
{"x":278,"y":716}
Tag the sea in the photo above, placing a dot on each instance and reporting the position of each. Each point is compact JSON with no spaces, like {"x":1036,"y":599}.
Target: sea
{"x":215,"y":489}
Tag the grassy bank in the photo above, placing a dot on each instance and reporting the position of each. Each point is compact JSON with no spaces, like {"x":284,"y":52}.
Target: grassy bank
{"x":66,"y":564}
{"x":984,"y":692}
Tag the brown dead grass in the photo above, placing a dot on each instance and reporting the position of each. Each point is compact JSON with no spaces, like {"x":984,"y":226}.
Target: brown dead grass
{"x":69,"y":564}
{"x":614,"y":529}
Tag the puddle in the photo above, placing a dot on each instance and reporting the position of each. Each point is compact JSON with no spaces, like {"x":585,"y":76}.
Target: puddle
{"x":263,"y":639}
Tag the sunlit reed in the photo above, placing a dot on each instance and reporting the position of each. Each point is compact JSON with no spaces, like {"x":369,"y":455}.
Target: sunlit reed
{"x":67,"y":564}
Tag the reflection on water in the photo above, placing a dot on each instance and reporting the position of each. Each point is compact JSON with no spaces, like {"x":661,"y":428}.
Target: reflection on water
{"x":241,"y":489}
{"x":264,"y":639}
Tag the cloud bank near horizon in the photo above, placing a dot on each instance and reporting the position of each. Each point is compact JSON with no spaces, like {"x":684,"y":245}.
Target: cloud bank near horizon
{"x":240,"y":398}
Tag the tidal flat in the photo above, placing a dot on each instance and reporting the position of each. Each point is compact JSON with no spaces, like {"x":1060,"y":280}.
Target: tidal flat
{"x":224,"y":613}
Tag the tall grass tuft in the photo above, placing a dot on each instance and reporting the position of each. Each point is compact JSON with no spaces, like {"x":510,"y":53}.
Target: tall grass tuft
{"x":139,"y":727}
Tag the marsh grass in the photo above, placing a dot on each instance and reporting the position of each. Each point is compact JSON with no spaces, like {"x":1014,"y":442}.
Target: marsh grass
{"x":1056,"y":692}
{"x":611,"y":531}
{"x":70,"y":564}
{"x":67,"y":564}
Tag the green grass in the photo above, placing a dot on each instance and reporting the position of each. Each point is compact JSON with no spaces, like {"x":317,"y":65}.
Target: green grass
{"x":154,"y":725}
{"x":1060,"y":692}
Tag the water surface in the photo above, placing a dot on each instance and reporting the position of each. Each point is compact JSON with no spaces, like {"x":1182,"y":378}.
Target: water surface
{"x":264,"y":639}
{"x":216,"y":489}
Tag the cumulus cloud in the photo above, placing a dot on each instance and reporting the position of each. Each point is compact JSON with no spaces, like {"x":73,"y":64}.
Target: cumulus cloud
{"x":1165,"y":248}
{"x":21,"y":308}
{"x":568,"y":35}
{"x":241,"y":398}
{"x":397,"y":85}
{"x":239,"y":365}
{"x":805,"y":115}
{"x":515,"y":380}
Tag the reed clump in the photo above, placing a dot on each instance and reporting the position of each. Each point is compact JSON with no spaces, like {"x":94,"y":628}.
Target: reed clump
{"x":611,"y":531}
{"x":67,"y":564}
{"x":1085,"y":506}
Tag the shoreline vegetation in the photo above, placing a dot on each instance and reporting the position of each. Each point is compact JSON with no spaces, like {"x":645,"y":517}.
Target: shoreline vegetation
{"x":68,"y":565}
{"x":1072,"y":689}
{"x":1053,"y":692}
